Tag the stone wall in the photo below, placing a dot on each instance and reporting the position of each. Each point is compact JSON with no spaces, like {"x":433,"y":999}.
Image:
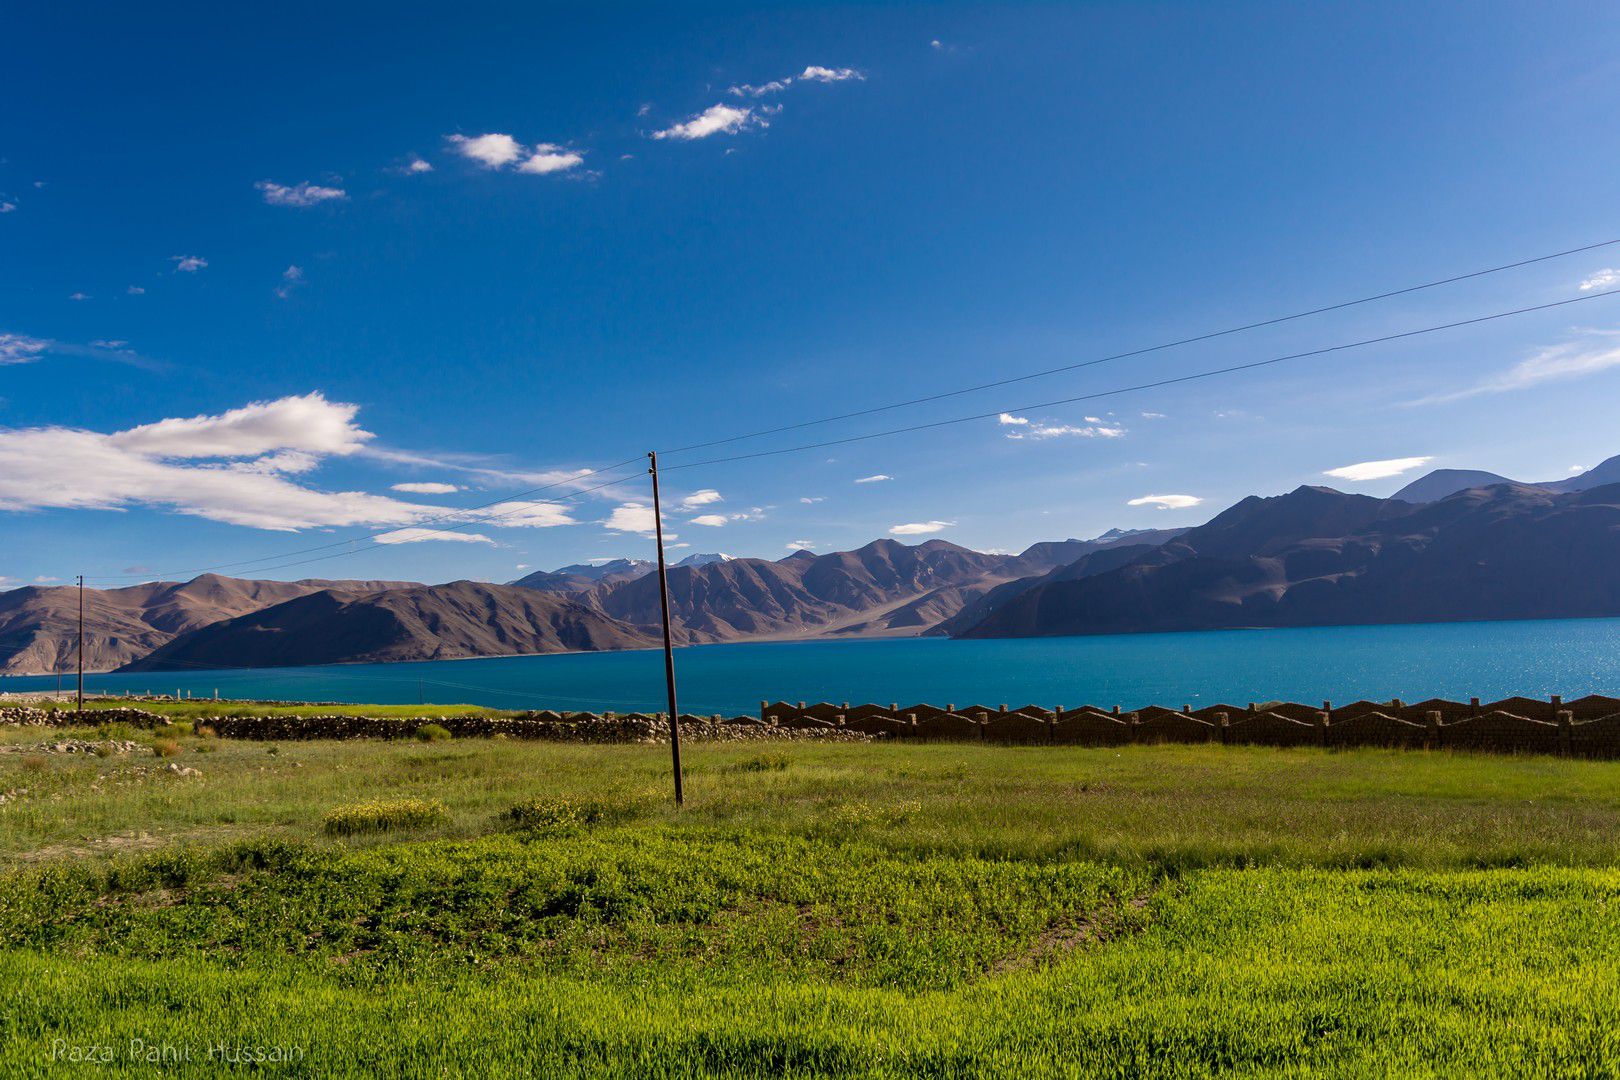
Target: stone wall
{"x":1586,"y":727}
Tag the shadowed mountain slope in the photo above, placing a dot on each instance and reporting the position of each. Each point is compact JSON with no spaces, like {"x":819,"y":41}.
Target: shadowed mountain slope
{"x":1319,"y":557}
{"x":39,"y":625}
{"x":423,"y":622}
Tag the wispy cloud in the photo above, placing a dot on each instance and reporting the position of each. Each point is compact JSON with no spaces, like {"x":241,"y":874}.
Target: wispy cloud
{"x":875,"y":479}
{"x":1377,"y":470}
{"x":1166,"y":502}
{"x":236,"y":467}
{"x":188,"y":264}
{"x":304,"y":194}
{"x":1009,"y":420}
{"x":1603,"y":279}
{"x":426,"y":488}
{"x":291,"y":278}
{"x":811,"y":500}
{"x":706,"y":497}
{"x":7,"y":207}
{"x":918,"y":528}
{"x":1597,"y":351}
{"x":633,"y":517}
{"x":20,"y":349}
{"x":417,"y":536}
{"x":498,"y":151}
{"x":135,"y":290}
{"x":715,"y":120}
{"x":813,"y":73}
{"x":1044,"y":430}
{"x":801,"y":545}
{"x":711,"y":520}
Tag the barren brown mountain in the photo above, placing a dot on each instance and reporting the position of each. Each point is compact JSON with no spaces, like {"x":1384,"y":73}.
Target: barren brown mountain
{"x":420,"y":622}
{"x":38,"y":625}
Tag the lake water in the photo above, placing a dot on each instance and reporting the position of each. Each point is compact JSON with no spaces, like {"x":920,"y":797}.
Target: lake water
{"x":1340,"y":663}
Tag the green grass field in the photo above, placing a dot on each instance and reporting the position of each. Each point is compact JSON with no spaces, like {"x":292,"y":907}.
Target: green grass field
{"x":888,"y":910}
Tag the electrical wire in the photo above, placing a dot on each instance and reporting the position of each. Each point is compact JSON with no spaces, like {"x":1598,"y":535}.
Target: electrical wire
{"x":1230,"y":369}
{"x":1209,"y":336}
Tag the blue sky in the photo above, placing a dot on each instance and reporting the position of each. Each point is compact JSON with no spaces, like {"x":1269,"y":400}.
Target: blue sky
{"x":482,"y":248}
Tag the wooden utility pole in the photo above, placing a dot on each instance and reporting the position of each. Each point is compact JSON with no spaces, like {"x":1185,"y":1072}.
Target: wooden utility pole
{"x":80,"y":649}
{"x":669,"y":649}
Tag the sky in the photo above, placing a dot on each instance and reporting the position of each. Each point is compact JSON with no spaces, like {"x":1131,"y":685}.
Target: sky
{"x":332,"y":291}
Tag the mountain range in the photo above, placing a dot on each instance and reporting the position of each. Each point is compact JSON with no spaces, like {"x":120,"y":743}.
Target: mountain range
{"x":1315,"y":556}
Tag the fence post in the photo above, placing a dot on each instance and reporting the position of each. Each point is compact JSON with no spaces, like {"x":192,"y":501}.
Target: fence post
{"x":1221,"y":724}
{"x":1321,"y":728}
{"x":1434,"y":729}
{"x":1565,"y":720}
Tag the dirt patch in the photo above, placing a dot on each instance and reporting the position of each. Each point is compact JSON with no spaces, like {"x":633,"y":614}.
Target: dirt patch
{"x":1072,"y":932}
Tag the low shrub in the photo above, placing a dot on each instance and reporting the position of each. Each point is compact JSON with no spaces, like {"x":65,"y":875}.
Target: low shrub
{"x":180,"y":728}
{"x":764,"y":763}
{"x":383,"y":815}
{"x":35,"y":762}
{"x":548,"y":814}
{"x":432,"y":733}
{"x":165,"y":748}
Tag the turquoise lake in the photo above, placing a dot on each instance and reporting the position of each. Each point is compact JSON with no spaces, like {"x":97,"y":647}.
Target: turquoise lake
{"x":1340,"y":663}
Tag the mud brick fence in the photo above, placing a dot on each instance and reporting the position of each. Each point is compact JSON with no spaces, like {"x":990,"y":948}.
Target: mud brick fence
{"x":1585,"y":727}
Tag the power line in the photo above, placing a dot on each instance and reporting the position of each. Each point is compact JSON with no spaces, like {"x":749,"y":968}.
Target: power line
{"x":1210,"y":336}
{"x":459,"y":515}
{"x":1151,"y":385}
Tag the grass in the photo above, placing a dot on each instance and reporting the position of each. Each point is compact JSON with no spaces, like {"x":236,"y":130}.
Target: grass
{"x":816,"y":910}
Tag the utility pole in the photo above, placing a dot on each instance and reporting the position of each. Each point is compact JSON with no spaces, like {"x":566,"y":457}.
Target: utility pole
{"x":81,"y":644}
{"x":669,"y":650}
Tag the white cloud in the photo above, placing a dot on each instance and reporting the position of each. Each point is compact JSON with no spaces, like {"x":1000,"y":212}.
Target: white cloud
{"x":715,"y":120}
{"x":814,"y":73}
{"x":917,"y":528}
{"x":309,"y":422}
{"x":701,"y":498}
{"x":1009,"y":420}
{"x":1589,"y":355}
{"x":550,"y":159}
{"x":188,"y":264}
{"x":775,"y":86}
{"x":936,"y":44}
{"x":234,"y":467}
{"x":1042,"y":430}
{"x":7,"y":207}
{"x":304,"y":194}
{"x":811,"y":500}
{"x":1153,"y":416}
{"x":1166,"y":502}
{"x":417,"y":165}
{"x":1603,"y":279}
{"x":491,"y":151}
{"x":1094,"y":419}
{"x":1377,"y":470}
{"x":801,"y":545}
{"x":291,"y":278}
{"x":497,"y":151}
{"x":78,"y":296}
{"x":523,"y":515}
{"x":135,"y":290}
{"x":878,"y":478}
{"x":631,"y":518}
{"x":20,"y":349}
{"x":417,"y":536}
{"x":713,"y":520}
{"x":1573,"y":469}
{"x":426,"y":488}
